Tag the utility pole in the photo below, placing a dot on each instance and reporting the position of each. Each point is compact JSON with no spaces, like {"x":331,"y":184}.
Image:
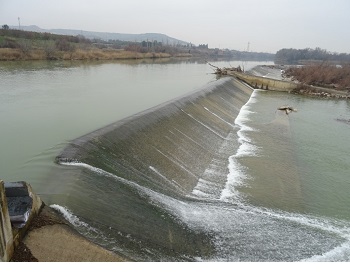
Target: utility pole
{"x":19,"y":23}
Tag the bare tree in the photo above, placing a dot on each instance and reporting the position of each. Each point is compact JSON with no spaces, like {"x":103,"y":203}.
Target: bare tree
{"x":49,"y":49}
{"x":25,"y":46}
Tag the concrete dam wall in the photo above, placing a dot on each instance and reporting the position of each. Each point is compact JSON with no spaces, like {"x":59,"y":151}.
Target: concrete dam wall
{"x":259,"y":82}
{"x":164,"y":157}
{"x":127,"y":174}
{"x":263,"y":82}
{"x":178,"y":139}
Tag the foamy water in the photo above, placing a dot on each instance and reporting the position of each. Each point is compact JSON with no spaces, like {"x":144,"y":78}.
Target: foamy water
{"x":69,"y":216}
{"x":241,"y":231}
{"x":208,"y":174}
{"x":238,"y":185}
{"x":237,"y":174}
{"x":224,"y":220}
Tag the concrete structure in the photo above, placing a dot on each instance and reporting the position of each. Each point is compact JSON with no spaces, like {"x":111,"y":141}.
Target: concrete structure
{"x":19,"y":205}
{"x":31,"y":231}
{"x":6,"y":237}
{"x":263,"y":82}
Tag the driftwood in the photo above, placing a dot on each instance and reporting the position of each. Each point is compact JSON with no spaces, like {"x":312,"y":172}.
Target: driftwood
{"x":343,"y":120}
{"x":287,"y":109}
{"x":224,"y":71}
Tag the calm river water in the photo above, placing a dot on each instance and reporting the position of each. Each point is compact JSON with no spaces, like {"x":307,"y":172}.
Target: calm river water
{"x":45,"y":104}
{"x":275,"y":187}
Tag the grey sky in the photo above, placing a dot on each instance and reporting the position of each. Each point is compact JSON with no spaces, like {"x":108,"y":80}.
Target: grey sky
{"x":268,"y":25}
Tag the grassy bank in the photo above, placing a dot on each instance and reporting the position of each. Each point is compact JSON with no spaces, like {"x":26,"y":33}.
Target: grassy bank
{"x":8,"y":54}
{"x":24,"y":45}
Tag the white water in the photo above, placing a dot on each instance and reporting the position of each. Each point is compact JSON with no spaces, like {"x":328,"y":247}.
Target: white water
{"x":241,"y":230}
{"x":237,"y":174}
{"x":244,"y":226}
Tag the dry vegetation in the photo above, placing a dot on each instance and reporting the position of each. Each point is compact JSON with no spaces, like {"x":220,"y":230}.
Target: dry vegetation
{"x":307,"y":56}
{"x":24,"y":45}
{"x":326,"y":75}
{"x":78,"y":54}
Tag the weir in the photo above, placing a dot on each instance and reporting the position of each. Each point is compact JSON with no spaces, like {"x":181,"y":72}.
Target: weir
{"x":261,"y":82}
{"x":258,"y":82}
{"x":140,"y":165}
{"x":173,"y":143}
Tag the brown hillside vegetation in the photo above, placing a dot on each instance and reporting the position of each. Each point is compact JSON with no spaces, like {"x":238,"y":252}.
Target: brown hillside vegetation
{"x":26,"y":45}
{"x":326,"y":75}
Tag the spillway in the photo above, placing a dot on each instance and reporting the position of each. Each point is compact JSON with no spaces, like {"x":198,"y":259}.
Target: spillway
{"x":167,"y":153}
{"x":166,"y":184}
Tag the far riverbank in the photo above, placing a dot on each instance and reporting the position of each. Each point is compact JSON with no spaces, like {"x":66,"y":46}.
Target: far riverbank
{"x":8,"y":54}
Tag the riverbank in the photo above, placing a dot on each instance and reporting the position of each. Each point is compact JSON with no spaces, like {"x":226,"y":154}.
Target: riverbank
{"x":8,"y":54}
{"x":18,"y":45}
{"x":50,"y":238}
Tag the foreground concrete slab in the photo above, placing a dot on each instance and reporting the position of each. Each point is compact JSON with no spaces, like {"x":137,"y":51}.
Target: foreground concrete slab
{"x":51,"y":239}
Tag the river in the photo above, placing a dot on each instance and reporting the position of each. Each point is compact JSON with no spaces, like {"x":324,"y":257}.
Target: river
{"x":214,"y":172}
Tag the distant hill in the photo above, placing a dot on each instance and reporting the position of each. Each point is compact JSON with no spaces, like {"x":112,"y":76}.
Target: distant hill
{"x":107,"y":35}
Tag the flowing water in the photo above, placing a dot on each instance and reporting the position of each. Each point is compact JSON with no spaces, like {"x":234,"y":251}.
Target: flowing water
{"x":215,"y":174}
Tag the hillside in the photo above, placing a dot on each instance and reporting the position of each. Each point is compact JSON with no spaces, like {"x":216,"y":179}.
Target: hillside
{"x":106,"y":36}
{"x":37,"y":45}
{"x":29,"y":45}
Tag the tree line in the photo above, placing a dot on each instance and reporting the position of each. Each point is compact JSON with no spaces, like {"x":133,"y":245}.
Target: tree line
{"x":303,"y":56}
{"x":5,"y":31}
{"x":27,"y":42}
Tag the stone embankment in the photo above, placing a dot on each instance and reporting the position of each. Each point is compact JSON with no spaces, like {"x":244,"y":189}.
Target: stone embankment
{"x":322,"y":92}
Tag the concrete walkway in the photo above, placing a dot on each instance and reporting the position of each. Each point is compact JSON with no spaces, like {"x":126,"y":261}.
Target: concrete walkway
{"x":51,"y":239}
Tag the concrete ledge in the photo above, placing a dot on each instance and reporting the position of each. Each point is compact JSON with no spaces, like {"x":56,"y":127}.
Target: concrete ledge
{"x":263,"y":82}
{"x":31,"y":231}
{"x":6,"y":237}
{"x":50,"y":238}
{"x":19,"y":205}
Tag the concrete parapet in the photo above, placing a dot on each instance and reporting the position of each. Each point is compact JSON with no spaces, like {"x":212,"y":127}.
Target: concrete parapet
{"x":6,"y":237}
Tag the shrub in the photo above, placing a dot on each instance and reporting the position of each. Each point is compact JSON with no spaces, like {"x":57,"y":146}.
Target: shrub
{"x":322,"y":75}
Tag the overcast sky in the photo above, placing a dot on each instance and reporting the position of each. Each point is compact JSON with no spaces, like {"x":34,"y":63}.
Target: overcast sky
{"x":269,"y":25}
